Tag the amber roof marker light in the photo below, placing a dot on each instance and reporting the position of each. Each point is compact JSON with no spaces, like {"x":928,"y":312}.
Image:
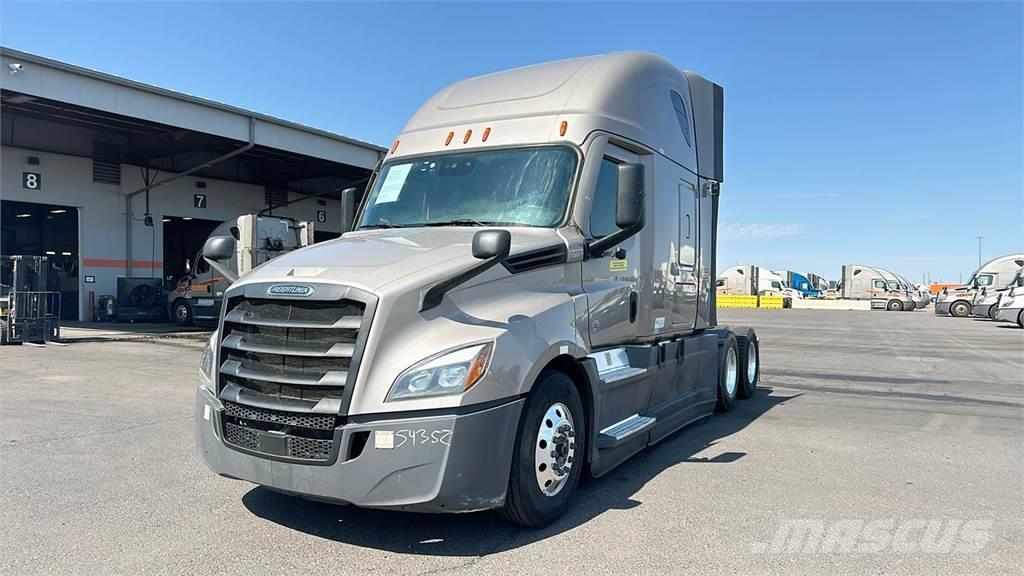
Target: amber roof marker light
{"x":465,"y":139}
{"x":394,"y":146}
{"x":487,"y":132}
{"x":563,"y":128}
{"x":448,"y":140}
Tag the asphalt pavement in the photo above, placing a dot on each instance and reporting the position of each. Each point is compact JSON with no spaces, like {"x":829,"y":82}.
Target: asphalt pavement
{"x":880,"y":442}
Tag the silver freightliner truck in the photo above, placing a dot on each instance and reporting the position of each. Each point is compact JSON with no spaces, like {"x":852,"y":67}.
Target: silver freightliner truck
{"x":959,"y":301}
{"x":527,"y":292}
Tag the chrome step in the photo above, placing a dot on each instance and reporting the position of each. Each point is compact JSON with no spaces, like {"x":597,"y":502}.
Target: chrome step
{"x":620,"y":432}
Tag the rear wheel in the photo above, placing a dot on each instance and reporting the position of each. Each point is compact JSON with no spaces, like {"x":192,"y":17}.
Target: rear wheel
{"x":895,"y":306}
{"x":181,"y":312}
{"x":728,"y":374}
{"x":960,"y":309}
{"x":549,"y":454}
{"x":749,"y":362}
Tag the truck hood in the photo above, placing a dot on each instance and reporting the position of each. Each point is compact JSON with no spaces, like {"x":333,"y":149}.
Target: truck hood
{"x":371,"y":259}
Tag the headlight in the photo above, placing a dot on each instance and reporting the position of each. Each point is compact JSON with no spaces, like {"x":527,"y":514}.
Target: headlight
{"x":206,"y":362}
{"x":444,"y":375}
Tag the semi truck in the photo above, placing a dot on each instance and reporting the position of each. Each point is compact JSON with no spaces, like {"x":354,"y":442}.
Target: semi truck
{"x":871,"y":283}
{"x":959,"y":300}
{"x":800,"y":283}
{"x":1011,"y":303}
{"x":755,"y":281}
{"x":986,"y":300}
{"x":197,"y":295}
{"x":526,"y":294}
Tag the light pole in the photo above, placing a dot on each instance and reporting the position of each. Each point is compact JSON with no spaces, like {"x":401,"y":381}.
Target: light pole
{"x":979,"y":250}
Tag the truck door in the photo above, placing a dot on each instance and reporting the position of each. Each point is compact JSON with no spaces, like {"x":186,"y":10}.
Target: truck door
{"x":612,"y":281}
{"x":683,"y":270}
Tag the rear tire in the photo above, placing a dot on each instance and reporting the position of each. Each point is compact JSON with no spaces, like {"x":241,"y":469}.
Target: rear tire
{"x":728,"y":374}
{"x":181,"y":312}
{"x":749,"y":362}
{"x":537,"y":494}
{"x":895,"y":306}
{"x":960,"y":309}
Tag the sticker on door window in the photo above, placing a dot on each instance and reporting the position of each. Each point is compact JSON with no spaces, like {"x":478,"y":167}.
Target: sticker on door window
{"x":618,"y":265}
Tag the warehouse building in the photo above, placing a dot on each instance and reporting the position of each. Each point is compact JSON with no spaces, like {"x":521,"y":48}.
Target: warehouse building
{"x":113,"y":178}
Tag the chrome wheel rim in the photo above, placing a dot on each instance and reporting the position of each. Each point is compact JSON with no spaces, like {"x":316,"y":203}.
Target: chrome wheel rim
{"x":730,"y":371}
{"x":555,"y":447}
{"x":181,"y":312}
{"x":751,"y":361}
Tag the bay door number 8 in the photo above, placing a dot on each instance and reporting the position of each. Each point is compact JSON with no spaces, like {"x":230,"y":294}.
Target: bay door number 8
{"x":32,"y":180}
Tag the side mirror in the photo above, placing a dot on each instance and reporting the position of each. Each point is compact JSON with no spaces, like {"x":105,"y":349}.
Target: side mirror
{"x":348,"y":208}
{"x":629,"y":198}
{"x":489,"y":244}
{"x":629,"y":208}
{"x":219,"y":248}
{"x":188,"y":266}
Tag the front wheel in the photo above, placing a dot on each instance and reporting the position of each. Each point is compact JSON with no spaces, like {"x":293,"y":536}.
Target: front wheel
{"x":895,"y":306}
{"x":1020,"y":318}
{"x":549,"y":454}
{"x":992,"y":311}
{"x":960,"y":309}
{"x":181,"y":311}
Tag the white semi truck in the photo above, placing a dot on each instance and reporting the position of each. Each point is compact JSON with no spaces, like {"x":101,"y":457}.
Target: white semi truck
{"x":1011,"y":303}
{"x":755,"y":281}
{"x":987,"y":299}
{"x":527,"y":293}
{"x":959,"y":300}
{"x":198,"y":294}
{"x":883,"y":288}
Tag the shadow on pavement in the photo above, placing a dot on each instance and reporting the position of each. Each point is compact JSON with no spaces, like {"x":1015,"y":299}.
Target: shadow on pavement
{"x":480,"y":534}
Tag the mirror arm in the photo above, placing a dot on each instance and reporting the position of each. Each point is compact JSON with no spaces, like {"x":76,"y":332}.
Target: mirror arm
{"x":221,"y":269}
{"x":432,"y":296}
{"x":598,"y":247}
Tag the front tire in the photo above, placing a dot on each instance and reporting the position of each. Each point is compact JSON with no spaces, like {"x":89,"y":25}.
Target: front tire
{"x":1020,"y":318}
{"x":549,"y":453}
{"x":992,"y":312}
{"x":960,"y":309}
{"x":728,"y":374}
{"x":895,"y":306}
{"x":181,"y":312}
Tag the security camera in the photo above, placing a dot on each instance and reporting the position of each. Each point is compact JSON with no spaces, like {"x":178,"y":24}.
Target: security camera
{"x":16,"y":67}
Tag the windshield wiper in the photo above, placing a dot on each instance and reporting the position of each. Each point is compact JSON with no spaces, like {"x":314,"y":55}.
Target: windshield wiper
{"x":381,"y":223}
{"x":460,"y":222}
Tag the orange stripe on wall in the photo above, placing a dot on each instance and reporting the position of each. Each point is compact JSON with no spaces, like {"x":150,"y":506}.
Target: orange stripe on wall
{"x":116,"y":263}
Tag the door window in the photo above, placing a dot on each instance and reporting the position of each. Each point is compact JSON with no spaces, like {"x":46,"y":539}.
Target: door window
{"x":880,"y":284}
{"x":687,"y":225}
{"x":985,"y":280}
{"x":602,"y":210}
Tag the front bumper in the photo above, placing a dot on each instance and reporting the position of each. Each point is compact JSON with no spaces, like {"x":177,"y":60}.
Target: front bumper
{"x":942,"y":308}
{"x":980,"y":310}
{"x":438,"y":463}
{"x":1007,"y":314}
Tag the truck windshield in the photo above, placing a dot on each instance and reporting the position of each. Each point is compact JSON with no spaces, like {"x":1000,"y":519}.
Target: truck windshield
{"x":512,"y":187}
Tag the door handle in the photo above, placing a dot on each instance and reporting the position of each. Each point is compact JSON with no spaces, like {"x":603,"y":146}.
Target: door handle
{"x":632,"y":307}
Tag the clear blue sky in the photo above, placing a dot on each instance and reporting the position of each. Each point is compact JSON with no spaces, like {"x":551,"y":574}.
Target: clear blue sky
{"x":871,"y":133}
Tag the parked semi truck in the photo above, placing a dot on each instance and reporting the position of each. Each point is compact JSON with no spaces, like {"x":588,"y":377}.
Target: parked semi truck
{"x":1011,"y":303}
{"x":198,"y":294}
{"x":799,"y":283}
{"x":871,"y":283}
{"x":959,"y":300}
{"x":986,"y":300}
{"x":527,"y":293}
{"x":754,"y":281}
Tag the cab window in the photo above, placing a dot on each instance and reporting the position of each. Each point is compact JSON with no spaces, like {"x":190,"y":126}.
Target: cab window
{"x":880,"y":284}
{"x":776,"y":285}
{"x":720,"y":283}
{"x":602,"y":210}
{"x":985,"y":280}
